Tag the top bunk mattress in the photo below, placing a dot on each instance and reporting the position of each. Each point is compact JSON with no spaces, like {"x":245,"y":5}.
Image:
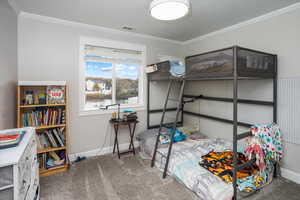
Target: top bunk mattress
{"x":220,"y":64}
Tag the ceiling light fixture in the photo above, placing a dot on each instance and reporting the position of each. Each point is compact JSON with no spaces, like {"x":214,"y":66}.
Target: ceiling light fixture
{"x":168,"y":10}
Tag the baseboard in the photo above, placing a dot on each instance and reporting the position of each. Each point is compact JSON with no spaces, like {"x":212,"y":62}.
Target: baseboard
{"x":290,"y":175}
{"x":99,"y":152}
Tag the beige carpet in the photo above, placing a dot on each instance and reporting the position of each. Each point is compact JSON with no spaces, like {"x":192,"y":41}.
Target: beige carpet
{"x":131,"y":178}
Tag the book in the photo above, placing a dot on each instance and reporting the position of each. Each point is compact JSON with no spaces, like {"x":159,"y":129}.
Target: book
{"x":43,"y":117}
{"x":55,"y":95}
{"x":52,"y":160}
{"x":58,"y":138}
{"x":39,"y":144}
{"x":55,"y":160}
{"x":9,"y":137}
{"x":51,"y":139}
{"x":54,"y":156}
{"x":10,"y":140}
{"x":46,"y":141}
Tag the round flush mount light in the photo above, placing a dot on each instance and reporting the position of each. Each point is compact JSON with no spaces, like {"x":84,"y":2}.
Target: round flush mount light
{"x":168,"y":10}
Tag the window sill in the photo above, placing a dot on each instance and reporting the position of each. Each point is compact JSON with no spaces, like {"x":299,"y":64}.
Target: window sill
{"x":110,"y":111}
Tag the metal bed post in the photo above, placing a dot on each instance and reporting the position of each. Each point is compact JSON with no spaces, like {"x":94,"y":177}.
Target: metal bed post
{"x":235,"y":121}
{"x":275,"y":78}
{"x":275,"y":92}
{"x":148,"y":102}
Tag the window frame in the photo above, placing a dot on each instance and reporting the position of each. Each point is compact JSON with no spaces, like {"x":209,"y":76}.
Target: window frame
{"x":117,"y":45}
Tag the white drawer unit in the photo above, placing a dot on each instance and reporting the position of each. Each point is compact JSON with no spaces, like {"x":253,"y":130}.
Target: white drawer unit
{"x":19,"y":172}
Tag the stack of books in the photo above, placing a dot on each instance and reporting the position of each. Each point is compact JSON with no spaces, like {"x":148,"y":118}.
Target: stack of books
{"x":10,"y":139}
{"x":129,"y":115}
{"x":51,"y":138}
{"x":43,"y":117}
{"x":52,"y":160}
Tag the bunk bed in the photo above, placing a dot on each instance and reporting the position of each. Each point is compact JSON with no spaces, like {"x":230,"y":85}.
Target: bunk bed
{"x":233,"y":63}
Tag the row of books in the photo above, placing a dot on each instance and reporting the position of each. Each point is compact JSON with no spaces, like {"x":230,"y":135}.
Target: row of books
{"x":43,"y":117}
{"x":52,"y":160}
{"x":51,"y":138}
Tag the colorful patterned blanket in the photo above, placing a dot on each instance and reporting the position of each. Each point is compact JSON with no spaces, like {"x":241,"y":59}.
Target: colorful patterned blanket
{"x":265,"y":145}
{"x":221,"y":164}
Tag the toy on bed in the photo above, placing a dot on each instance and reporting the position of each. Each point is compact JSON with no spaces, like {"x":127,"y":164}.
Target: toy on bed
{"x":166,"y":134}
{"x":181,"y":134}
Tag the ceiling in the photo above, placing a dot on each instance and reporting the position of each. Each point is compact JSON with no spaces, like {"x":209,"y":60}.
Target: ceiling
{"x":206,"y":15}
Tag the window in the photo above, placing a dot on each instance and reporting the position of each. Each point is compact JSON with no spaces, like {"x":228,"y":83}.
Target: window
{"x":111,"y":74}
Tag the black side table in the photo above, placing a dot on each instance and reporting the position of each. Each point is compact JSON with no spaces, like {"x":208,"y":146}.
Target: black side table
{"x":129,"y":123}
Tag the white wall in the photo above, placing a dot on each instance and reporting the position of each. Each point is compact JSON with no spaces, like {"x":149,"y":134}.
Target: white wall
{"x":8,"y":65}
{"x":49,"y":51}
{"x":278,"y":35}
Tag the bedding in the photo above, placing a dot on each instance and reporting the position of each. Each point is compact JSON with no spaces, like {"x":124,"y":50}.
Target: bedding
{"x":147,"y":140}
{"x":206,"y":179}
{"x":221,"y":164}
{"x":250,"y":178}
{"x":184,"y":165}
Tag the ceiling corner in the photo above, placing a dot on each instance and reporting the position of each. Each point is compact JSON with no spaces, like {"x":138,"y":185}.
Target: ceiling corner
{"x":14,"y":6}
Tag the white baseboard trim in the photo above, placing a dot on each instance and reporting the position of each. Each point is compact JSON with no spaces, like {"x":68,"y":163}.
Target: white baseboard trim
{"x":290,"y":175}
{"x":99,"y":152}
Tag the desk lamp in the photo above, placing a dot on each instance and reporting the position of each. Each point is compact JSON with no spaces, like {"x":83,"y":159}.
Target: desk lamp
{"x":116,"y":104}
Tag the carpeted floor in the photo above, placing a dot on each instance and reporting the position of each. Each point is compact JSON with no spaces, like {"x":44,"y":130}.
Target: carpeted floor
{"x":131,"y":178}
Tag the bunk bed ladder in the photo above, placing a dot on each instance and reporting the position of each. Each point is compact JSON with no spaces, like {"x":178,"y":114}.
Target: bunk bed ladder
{"x":174,"y":124}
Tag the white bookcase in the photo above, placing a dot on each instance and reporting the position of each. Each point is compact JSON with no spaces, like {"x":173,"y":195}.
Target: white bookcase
{"x":19,"y":171}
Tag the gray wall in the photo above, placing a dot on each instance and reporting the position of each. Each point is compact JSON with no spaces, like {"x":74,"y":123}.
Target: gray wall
{"x":49,"y":51}
{"x":8,"y":65}
{"x":278,"y":35}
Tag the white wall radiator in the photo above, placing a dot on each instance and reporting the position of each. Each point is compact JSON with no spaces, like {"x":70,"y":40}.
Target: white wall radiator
{"x":289,"y":109}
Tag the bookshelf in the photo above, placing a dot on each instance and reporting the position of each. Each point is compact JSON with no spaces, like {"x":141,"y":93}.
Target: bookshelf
{"x":44,"y":105}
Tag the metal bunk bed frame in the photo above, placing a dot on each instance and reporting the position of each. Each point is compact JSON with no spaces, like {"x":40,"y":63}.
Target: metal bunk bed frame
{"x":235,"y":100}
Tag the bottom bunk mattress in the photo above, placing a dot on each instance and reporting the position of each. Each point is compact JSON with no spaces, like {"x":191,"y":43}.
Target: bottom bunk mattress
{"x":184,"y":164}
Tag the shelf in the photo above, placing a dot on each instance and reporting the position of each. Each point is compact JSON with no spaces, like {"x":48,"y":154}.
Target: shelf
{"x":48,"y":172}
{"x":50,"y":126}
{"x":42,"y":83}
{"x":51,"y":149}
{"x":42,"y":105}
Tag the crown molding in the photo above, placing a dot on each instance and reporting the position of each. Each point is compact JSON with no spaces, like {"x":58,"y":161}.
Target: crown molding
{"x":91,"y":27}
{"x":246,"y":23}
{"x":14,"y":6}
